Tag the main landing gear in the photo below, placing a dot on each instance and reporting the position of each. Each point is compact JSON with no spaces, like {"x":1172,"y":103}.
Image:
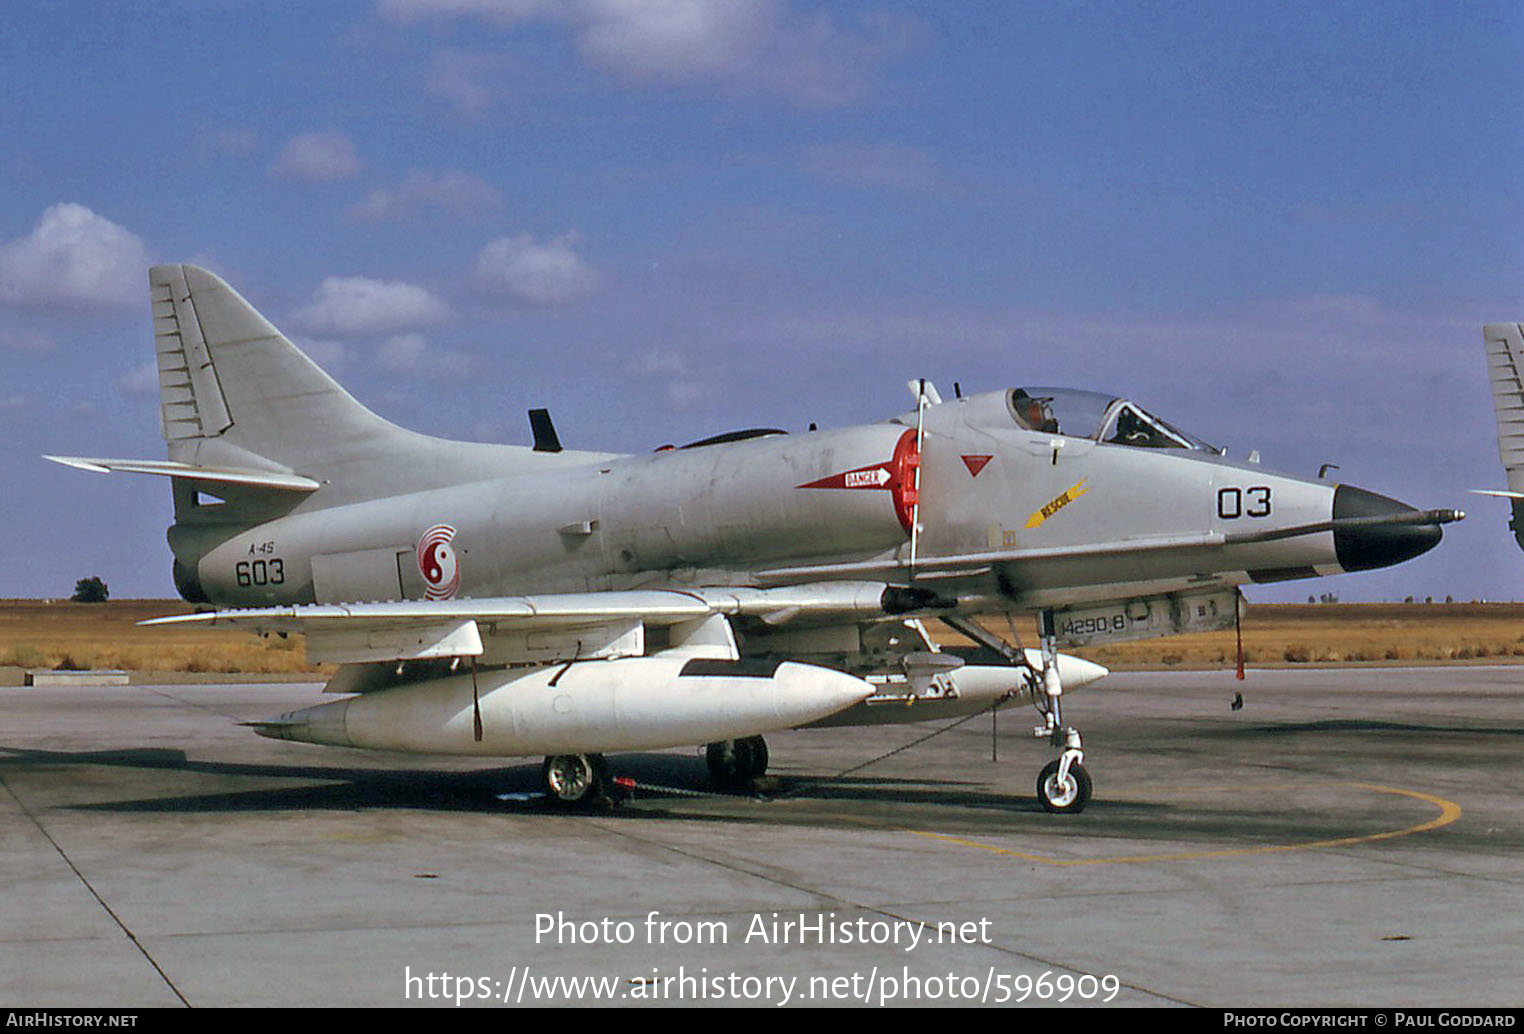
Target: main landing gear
{"x":735,"y":763}
{"x":583,"y":780}
{"x":575,"y":780}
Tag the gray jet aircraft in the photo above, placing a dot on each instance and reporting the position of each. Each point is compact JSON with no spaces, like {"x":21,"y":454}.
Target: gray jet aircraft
{"x":506,"y":601}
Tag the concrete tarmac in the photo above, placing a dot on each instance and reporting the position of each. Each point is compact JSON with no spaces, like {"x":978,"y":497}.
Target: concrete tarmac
{"x":1350,"y":837}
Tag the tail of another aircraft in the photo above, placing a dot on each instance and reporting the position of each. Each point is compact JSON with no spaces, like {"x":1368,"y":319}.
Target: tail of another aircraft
{"x":1505,"y":369}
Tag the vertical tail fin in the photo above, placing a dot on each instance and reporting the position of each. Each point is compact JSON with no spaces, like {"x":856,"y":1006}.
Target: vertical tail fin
{"x":1505,"y":369}
{"x":235,"y":392}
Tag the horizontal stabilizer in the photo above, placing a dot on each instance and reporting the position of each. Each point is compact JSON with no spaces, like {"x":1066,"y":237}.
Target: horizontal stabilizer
{"x":169,"y":468}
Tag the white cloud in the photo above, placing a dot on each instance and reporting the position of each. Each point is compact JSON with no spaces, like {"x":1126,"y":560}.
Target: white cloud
{"x":457,"y":78}
{"x":502,"y":12}
{"x":330,"y":355}
{"x":682,"y":390}
{"x":539,"y":275}
{"x":402,"y":352}
{"x":140,"y":381}
{"x":767,"y":46}
{"x":410,"y":353}
{"x":317,"y":157}
{"x":675,"y":39}
{"x":420,"y":193}
{"x":73,"y":259}
{"x":351,"y":306}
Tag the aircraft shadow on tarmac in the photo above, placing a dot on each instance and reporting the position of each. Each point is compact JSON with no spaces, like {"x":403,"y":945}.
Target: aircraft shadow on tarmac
{"x":1345,"y":725}
{"x":1210,"y":818}
{"x":856,"y":802}
{"x":793,"y":799}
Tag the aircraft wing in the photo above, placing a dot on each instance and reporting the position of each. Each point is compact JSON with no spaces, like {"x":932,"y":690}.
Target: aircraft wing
{"x":551,"y":627}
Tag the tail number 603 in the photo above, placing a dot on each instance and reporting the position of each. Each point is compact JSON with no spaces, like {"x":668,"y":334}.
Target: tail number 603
{"x":260,"y":572}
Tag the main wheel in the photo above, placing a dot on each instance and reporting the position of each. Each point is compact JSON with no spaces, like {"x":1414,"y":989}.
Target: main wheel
{"x":757,"y":756}
{"x":1065,"y":797}
{"x":573,"y":779}
{"x":728,"y":761}
{"x":735,"y":763}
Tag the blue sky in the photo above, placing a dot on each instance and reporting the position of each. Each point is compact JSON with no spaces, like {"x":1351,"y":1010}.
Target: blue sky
{"x":1281,"y":225}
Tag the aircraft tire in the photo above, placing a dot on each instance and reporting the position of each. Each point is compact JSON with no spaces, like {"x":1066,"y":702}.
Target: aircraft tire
{"x":720,"y":756}
{"x":573,"y":780}
{"x":734,"y":763}
{"x":1068,"y":798}
{"x":757,"y":757}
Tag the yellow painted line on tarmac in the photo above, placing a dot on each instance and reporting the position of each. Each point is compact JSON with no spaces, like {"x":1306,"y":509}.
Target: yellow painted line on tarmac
{"x":1449,"y":811}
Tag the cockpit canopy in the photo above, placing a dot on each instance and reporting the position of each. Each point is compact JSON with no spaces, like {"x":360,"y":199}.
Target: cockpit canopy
{"x":1100,"y":417}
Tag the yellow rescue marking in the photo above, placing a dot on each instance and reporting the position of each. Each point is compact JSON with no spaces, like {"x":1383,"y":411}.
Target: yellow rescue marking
{"x":1057,"y":505}
{"x":1449,"y":811}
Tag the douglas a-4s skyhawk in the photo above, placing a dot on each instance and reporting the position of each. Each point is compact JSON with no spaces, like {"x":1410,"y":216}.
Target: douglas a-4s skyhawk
{"x":501,"y":601}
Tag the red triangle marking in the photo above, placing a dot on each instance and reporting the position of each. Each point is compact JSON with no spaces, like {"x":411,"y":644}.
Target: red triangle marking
{"x":976,"y":463}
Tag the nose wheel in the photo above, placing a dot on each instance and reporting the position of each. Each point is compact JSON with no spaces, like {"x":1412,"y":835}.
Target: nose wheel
{"x":1063,"y":787}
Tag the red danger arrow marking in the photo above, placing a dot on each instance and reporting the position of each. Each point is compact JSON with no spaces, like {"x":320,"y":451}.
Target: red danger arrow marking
{"x":895,"y":476}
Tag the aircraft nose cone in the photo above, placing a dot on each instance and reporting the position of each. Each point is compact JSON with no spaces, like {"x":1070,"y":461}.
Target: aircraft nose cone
{"x":1379,"y":545}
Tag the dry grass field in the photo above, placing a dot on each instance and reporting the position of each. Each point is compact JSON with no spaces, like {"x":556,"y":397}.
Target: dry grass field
{"x":1342,"y":633}
{"x":38,"y":634}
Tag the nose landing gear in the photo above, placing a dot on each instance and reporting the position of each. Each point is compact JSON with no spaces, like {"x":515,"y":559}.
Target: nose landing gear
{"x":1063,"y":786}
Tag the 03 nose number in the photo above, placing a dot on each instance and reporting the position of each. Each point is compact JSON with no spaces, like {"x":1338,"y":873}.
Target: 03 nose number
{"x":1233,"y":503}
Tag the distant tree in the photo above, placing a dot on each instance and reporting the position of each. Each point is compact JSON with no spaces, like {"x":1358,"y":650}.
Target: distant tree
{"x":1311,"y":599}
{"x":1449,"y":599}
{"x":90,"y":590}
{"x":1407,"y":599}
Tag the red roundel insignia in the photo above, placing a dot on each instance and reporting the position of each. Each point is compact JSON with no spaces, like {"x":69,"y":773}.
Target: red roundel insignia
{"x":437,"y":563}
